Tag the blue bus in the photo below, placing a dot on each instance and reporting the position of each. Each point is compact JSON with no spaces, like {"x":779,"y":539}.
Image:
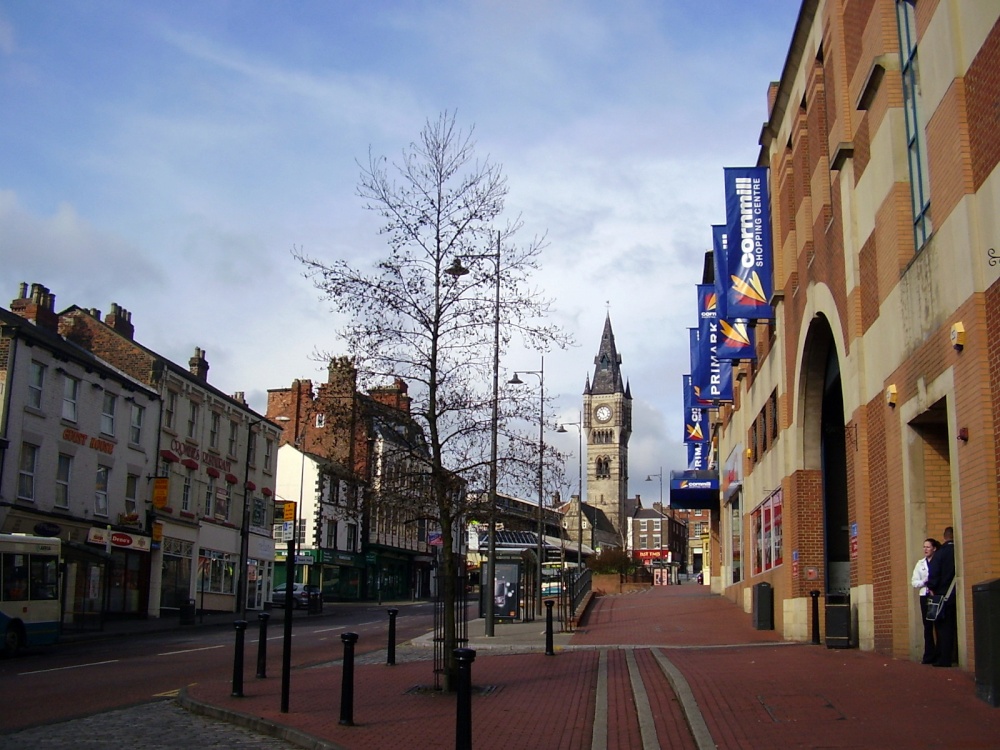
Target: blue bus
{"x":29,"y":591}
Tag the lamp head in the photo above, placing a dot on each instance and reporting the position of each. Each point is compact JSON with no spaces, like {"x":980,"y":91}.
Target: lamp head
{"x":516,"y":380}
{"x":456,"y":269}
{"x":562,"y":428}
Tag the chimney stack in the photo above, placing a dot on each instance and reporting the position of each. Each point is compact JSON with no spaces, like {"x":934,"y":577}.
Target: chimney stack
{"x":120,"y":319}
{"x":39,"y":308}
{"x":198,"y":365}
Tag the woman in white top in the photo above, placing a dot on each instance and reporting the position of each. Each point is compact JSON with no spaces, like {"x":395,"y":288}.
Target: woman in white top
{"x":919,"y":582}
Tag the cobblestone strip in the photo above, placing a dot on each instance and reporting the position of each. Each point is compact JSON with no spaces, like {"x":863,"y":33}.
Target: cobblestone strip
{"x":160,"y":725}
{"x":647,"y":727}
{"x":599,"y":739}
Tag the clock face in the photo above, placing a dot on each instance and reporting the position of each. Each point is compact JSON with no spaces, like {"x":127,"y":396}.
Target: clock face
{"x":603,"y":413}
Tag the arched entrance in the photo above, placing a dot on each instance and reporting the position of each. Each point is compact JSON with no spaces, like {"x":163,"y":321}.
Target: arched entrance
{"x":825,"y":458}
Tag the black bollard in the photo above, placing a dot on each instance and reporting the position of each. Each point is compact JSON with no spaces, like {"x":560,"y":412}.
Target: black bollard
{"x":463,"y":716}
{"x":815,"y":615}
{"x":241,"y":628}
{"x":262,"y":617}
{"x":549,"y":649}
{"x":390,"y":658}
{"x":347,"y":681}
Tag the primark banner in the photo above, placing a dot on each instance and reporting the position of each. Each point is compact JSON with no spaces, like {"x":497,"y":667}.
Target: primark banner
{"x":698,"y":454}
{"x":713,"y":377}
{"x":749,"y":274}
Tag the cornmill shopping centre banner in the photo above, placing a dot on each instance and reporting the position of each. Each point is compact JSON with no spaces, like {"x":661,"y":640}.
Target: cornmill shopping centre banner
{"x":749,"y":274}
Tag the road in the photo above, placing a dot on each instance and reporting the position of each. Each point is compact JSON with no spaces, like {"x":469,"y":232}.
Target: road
{"x":81,"y":679}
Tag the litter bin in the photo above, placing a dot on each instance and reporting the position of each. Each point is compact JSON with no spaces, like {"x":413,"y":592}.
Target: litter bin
{"x":986,"y":630}
{"x":188,"y":611}
{"x":838,"y":621}
{"x":763,"y":606}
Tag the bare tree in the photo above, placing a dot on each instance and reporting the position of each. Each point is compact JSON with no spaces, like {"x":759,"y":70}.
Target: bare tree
{"x":409,"y":318}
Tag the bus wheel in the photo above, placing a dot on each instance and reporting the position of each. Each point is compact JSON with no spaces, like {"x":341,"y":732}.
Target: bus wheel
{"x":13,"y":639}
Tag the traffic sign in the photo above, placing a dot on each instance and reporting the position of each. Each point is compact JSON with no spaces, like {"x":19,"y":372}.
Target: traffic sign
{"x":288,"y":511}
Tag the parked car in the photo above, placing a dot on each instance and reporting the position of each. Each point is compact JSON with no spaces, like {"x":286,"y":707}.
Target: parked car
{"x":300,"y":595}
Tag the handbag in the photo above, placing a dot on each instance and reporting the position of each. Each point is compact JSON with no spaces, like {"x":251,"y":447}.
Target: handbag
{"x":936,"y":602}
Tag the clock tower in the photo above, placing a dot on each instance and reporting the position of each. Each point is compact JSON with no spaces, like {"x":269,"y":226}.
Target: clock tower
{"x":607,"y":424}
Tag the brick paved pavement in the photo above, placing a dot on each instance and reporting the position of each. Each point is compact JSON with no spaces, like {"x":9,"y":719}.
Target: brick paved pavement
{"x":671,"y":667}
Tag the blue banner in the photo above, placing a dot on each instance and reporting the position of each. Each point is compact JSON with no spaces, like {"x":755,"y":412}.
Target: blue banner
{"x":713,"y":377}
{"x":720,"y":262}
{"x":698,"y":456}
{"x":692,"y":398}
{"x":736,"y":341}
{"x":696,"y":428}
{"x":695,"y":358}
{"x":749,"y":280}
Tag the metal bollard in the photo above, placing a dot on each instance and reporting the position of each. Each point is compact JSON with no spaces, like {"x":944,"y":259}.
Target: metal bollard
{"x":241,"y":627}
{"x":815,"y":613}
{"x":262,"y":617}
{"x":347,"y":680}
{"x":390,"y":658}
{"x":463,"y":689}
{"x":549,"y":649}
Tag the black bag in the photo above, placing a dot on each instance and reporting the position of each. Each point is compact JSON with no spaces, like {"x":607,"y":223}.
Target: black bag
{"x":936,"y":602}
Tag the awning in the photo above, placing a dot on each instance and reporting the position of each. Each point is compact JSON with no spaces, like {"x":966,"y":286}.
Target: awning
{"x":694,"y":490}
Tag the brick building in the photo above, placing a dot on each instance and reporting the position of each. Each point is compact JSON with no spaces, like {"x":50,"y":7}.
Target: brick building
{"x":379,"y":452}
{"x":870,"y":419}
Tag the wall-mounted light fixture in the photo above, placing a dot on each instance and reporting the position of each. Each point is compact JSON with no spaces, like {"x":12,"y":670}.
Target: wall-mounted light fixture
{"x":890,"y":395}
{"x":963,"y":434}
{"x":958,"y":336}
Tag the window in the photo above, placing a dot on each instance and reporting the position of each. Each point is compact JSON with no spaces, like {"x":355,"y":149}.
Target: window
{"x":192,"y":424}
{"x":216,"y":571}
{"x":101,"y":491}
{"x":36,"y":380}
{"x":213,"y":430}
{"x":252,"y":448}
{"x":321,"y":420}
{"x":131,"y":494}
{"x":268,"y":454}
{"x":916,"y":153}
{"x":64,"y":474}
{"x":657,"y":544}
{"x":656,"y":525}
{"x":331,"y":535}
{"x":209,"y":494}
{"x":71,"y":390}
{"x":26,"y":471}
{"x":135,"y":429}
{"x":643,"y":542}
{"x":108,"y":413}
{"x":233,"y":432}
{"x":352,"y":537}
{"x":643,"y":524}
{"x":300,"y":533}
{"x":186,"y":492}
{"x":169,"y":410}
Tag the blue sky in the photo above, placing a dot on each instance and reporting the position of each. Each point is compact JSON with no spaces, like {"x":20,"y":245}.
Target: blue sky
{"x":167,"y":156}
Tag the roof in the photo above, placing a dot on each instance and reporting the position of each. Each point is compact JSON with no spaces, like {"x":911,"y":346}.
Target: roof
{"x":607,"y":365}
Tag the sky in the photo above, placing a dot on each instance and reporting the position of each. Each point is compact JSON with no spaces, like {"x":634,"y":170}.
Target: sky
{"x":168,"y":157}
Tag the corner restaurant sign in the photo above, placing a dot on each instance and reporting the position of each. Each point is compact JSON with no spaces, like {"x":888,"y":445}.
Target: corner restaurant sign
{"x":118,"y":539}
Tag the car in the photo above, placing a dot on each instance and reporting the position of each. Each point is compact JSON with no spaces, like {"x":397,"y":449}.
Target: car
{"x":300,"y":595}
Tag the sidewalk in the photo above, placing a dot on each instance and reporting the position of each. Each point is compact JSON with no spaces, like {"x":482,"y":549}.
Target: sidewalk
{"x":671,"y":667}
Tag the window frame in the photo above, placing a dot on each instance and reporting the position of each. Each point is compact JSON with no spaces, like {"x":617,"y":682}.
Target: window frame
{"x":26,"y":474}
{"x":70,"y":398}
{"x":101,"y":491}
{"x":64,"y":480}
{"x":109,"y":405}
{"x":36,"y":384}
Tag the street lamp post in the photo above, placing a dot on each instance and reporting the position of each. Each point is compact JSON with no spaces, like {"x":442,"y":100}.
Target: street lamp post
{"x":242,"y":589}
{"x":541,"y":464}
{"x":579,"y":490}
{"x":458,"y":270}
{"x":286,"y":654}
{"x":649,"y":478}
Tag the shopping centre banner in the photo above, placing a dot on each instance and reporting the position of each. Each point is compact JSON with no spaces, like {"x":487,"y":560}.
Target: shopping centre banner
{"x":736,"y":341}
{"x":720,"y":265}
{"x":713,"y":377}
{"x":749,"y":273}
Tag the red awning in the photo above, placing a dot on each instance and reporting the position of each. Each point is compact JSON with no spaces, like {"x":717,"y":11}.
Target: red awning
{"x":231,"y":478}
{"x":250,"y":486}
{"x":189,"y":463}
{"x":169,"y":456}
{"x":213,"y":472}
{"x":266,"y":492}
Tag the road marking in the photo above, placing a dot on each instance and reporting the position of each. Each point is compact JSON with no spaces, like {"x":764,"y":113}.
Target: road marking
{"x":168,"y":694}
{"x":599,"y":735}
{"x":189,"y":650}
{"x":328,"y":630}
{"x":647,"y":726}
{"x":75,"y":666}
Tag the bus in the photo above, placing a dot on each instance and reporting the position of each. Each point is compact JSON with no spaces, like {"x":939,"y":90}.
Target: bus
{"x":29,"y":591}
